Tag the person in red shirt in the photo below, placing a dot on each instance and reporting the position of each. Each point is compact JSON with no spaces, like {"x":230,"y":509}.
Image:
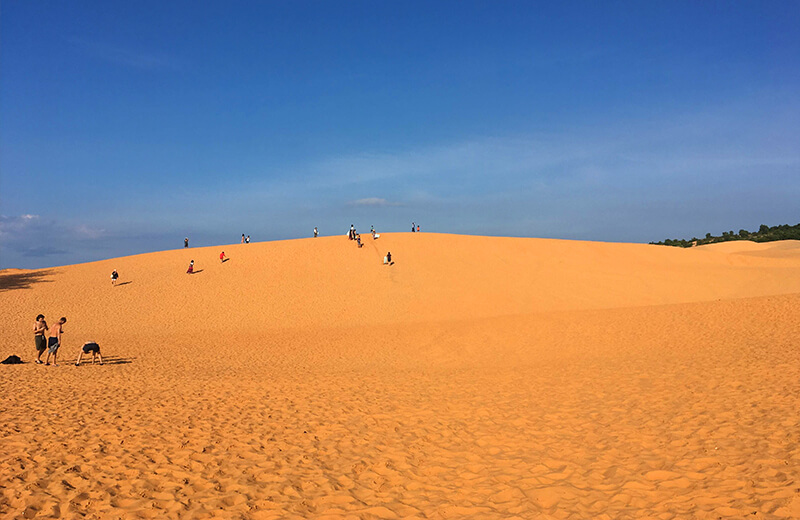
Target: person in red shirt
{"x":222,"y":257}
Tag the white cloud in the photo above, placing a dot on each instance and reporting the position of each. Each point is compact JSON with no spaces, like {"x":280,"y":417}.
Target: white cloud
{"x":373,"y":201}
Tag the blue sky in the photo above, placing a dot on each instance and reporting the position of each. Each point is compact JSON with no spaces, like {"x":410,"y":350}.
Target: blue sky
{"x":125,"y":126}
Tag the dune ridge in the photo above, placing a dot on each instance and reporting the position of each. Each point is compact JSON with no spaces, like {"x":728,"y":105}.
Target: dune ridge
{"x":475,"y":378}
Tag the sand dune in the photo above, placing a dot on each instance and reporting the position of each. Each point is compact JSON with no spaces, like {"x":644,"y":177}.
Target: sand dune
{"x":475,"y":378}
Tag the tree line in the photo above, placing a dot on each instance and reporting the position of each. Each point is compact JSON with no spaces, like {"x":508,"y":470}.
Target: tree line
{"x":764,"y":234}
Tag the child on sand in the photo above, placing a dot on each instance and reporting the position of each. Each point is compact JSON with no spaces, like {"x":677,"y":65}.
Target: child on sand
{"x":89,"y":346}
{"x":191,"y":268}
{"x":39,"y":328}
{"x":54,"y":341}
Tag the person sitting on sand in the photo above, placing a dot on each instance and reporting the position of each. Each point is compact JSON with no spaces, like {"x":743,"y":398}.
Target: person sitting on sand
{"x":54,"y":341}
{"x":222,"y":257}
{"x":375,"y":235}
{"x":89,"y":346}
{"x":387,"y":260}
{"x":191,"y":268}
{"x":114,"y":277}
{"x":39,"y":328}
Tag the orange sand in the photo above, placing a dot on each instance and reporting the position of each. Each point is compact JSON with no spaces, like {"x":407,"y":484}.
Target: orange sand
{"x":475,"y":378}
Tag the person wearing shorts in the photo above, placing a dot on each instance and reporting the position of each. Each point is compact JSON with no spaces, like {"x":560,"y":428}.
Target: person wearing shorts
{"x":89,"y":346}
{"x":54,"y":341}
{"x":39,"y":329}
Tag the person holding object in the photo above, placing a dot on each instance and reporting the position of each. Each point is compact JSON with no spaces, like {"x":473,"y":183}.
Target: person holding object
{"x":39,"y":329}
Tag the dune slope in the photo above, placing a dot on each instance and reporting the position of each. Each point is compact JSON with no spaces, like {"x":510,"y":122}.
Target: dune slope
{"x":476,"y":377}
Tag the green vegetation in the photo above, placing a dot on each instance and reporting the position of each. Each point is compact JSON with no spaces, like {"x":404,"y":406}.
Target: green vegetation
{"x":764,"y":234}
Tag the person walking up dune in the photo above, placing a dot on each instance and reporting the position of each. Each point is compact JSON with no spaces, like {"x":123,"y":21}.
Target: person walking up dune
{"x":191,"y":268}
{"x":114,"y":277}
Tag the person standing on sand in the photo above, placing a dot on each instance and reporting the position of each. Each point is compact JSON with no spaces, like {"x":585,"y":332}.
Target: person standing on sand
{"x":242,"y":238}
{"x":413,"y":227}
{"x":39,"y":328}
{"x":191,"y":268}
{"x":54,"y":341}
{"x":417,"y":228}
{"x":89,"y":346}
{"x":114,"y":277}
{"x":186,"y":242}
{"x":316,"y":233}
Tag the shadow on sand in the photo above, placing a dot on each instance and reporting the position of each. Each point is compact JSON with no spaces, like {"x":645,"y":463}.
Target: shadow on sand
{"x":196,"y":272}
{"x":23,"y":280}
{"x":225,"y":260}
{"x":112,"y":360}
{"x":123,"y":283}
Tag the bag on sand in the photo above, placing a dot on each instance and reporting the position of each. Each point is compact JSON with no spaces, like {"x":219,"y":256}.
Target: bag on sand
{"x":12,"y":360}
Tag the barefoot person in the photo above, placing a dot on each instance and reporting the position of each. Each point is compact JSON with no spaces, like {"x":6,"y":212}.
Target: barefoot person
{"x":39,"y":329}
{"x":89,"y":346}
{"x":54,"y":341}
{"x":222,"y":257}
{"x":191,"y":268}
{"x":114,"y":277}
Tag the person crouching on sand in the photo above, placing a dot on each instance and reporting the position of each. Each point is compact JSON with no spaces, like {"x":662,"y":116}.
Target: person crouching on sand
{"x":54,"y":341}
{"x":89,"y":346}
{"x":222,"y":257}
{"x":191,"y":268}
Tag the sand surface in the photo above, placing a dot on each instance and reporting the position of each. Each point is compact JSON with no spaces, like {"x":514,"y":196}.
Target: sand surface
{"x":474,"y":378}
